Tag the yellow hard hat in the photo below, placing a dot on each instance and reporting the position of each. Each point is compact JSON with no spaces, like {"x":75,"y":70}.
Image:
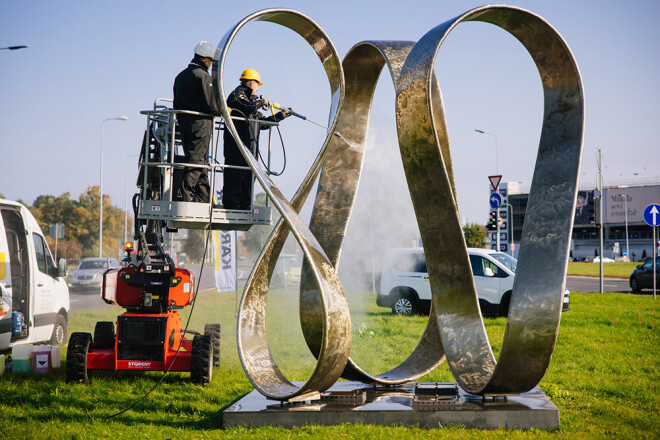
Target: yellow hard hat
{"x":251,"y":74}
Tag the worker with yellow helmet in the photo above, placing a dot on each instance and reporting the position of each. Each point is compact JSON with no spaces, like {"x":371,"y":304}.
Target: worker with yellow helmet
{"x":244,"y":104}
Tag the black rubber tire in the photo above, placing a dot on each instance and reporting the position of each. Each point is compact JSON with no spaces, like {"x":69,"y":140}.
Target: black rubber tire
{"x":104,"y":335}
{"x":76,"y":358}
{"x":201,"y":360}
{"x":634,"y":285}
{"x":504,"y":304}
{"x":214,"y":331}
{"x":404,"y":304}
{"x":59,"y":331}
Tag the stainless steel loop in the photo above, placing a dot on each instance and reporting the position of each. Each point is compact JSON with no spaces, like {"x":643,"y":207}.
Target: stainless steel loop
{"x":535,"y":308}
{"x":254,"y":352}
{"x":336,"y":195}
{"x":455,"y":325}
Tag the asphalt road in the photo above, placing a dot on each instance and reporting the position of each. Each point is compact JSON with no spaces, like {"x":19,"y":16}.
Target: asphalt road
{"x":591,"y":284}
{"x":90,"y":299}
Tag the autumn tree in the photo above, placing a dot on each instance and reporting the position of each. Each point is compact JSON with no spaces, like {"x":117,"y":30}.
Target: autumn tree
{"x":475,"y":235}
{"x":81,"y":223}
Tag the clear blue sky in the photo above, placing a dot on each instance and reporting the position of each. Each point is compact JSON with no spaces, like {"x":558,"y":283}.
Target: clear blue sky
{"x":88,"y":61}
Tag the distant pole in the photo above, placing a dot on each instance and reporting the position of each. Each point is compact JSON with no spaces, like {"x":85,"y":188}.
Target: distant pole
{"x":625,"y":204}
{"x":118,"y":118}
{"x":511,"y":225}
{"x":497,"y":172}
{"x":599,"y":157}
{"x":655,"y":255}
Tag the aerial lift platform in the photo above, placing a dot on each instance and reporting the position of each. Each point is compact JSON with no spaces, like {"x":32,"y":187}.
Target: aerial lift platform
{"x":150,"y":335}
{"x":161,"y":165}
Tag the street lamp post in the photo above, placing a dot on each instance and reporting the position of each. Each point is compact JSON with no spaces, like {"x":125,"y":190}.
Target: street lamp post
{"x":126,"y":197}
{"x":497,"y":172}
{"x":118,"y":118}
{"x":13,"y":47}
{"x":625,"y":206}
{"x":497,"y":155}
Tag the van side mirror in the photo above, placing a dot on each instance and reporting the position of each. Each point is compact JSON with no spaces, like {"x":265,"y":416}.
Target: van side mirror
{"x":488,"y":272}
{"x":61,"y":267}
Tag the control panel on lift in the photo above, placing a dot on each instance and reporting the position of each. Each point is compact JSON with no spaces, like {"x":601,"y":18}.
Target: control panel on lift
{"x":162,"y":165}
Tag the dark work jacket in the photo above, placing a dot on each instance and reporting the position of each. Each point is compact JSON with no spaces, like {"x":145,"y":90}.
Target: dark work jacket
{"x":193,"y":90}
{"x":244,"y":105}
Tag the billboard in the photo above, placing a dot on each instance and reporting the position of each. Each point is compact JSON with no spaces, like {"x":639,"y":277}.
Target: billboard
{"x":634,"y":198}
{"x":584,"y":208}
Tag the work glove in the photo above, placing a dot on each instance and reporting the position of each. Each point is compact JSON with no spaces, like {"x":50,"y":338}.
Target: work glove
{"x":265,"y":102}
{"x":286,"y":112}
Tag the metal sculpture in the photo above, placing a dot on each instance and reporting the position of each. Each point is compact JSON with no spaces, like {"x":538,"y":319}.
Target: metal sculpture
{"x":455,"y":325}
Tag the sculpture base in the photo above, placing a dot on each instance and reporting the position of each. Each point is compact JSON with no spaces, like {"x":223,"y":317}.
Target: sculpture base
{"x":428,"y":405}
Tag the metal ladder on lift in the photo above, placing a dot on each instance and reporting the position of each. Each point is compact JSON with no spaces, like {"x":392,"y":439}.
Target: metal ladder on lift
{"x":161,"y":166}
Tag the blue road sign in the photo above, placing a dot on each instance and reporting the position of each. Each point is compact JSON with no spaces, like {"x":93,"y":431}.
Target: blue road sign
{"x":495,"y":200}
{"x":651,"y":214}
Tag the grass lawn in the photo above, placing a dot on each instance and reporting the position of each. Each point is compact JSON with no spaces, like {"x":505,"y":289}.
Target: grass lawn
{"x":618,"y":269}
{"x":604,"y":377}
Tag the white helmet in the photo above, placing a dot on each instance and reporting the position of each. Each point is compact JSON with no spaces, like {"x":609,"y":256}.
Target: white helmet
{"x":205,"y":50}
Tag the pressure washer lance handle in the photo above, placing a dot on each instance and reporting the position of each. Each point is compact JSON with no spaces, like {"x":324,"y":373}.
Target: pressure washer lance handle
{"x":297,"y":115}
{"x":304,"y":118}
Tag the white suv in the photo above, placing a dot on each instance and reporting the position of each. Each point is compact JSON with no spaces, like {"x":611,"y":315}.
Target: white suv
{"x":405,"y":287}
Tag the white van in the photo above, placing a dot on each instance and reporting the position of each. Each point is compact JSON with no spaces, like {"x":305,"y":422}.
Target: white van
{"x":405,"y":287}
{"x":34,"y":297}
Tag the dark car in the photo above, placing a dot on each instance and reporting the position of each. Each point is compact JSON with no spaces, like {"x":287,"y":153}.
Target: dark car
{"x":642,"y":277}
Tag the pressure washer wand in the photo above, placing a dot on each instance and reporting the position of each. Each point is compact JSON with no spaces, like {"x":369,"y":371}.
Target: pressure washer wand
{"x":304,"y":118}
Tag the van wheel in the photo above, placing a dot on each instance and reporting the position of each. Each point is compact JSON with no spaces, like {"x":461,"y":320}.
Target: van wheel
{"x":213,"y":330}
{"x":504,"y":304}
{"x":104,"y":335}
{"x":59,"y":331}
{"x":76,"y":358}
{"x":404,"y":304}
{"x":201,"y":360}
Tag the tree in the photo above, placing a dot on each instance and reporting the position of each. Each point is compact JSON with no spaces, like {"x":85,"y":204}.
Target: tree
{"x":475,"y":235}
{"x":194,"y":245}
{"x":644,"y":255}
{"x":256,"y":236}
{"x":81,"y":222}
{"x":595,"y":252}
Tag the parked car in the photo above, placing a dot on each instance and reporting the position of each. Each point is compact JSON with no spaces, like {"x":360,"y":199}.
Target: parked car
{"x":405,"y":287}
{"x":605,"y":260}
{"x":89,"y":273}
{"x":34,"y":298}
{"x":642,"y":277}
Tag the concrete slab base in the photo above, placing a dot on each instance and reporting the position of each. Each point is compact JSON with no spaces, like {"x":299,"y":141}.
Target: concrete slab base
{"x":427,"y":405}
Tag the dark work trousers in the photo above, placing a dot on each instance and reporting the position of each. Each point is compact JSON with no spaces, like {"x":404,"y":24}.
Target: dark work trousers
{"x":195,"y":137}
{"x":237,"y":184}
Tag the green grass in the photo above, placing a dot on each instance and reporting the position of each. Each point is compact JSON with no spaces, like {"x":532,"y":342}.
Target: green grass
{"x":604,"y":377}
{"x":618,"y":269}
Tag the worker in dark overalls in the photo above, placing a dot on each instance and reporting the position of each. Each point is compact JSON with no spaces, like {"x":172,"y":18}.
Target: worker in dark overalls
{"x":193,"y":90}
{"x":244,"y":104}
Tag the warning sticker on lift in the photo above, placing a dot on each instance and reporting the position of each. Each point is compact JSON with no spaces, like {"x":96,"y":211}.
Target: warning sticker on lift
{"x":186,"y":287}
{"x":42,"y":360}
{"x":155,"y":208}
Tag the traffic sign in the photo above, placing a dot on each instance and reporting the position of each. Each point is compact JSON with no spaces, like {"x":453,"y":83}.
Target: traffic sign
{"x":495,"y":200}
{"x":494,"y":181}
{"x":500,"y":221}
{"x":652,"y":214}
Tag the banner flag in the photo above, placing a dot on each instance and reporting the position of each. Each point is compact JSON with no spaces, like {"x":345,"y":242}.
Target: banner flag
{"x":225,"y":260}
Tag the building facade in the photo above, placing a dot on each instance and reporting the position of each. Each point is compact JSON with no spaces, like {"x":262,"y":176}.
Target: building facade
{"x":623,"y":207}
